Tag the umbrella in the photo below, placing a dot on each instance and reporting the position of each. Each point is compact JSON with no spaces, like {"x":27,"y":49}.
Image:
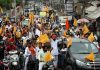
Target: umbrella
{"x":82,"y":20}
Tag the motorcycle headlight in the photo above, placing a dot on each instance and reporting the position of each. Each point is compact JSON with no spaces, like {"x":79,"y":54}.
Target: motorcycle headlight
{"x":14,"y":63}
{"x":82,"y":64}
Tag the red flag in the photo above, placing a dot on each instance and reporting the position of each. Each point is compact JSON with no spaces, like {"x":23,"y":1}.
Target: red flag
{"x":67,"y":24}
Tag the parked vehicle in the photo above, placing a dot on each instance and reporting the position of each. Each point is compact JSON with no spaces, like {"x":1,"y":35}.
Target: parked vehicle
{"x":75,"y":56}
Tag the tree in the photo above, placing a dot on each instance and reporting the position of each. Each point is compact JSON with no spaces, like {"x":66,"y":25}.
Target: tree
{"x":8,"y":3}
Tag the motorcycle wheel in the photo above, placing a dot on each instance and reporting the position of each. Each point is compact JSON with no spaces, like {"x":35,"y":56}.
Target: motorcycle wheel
{"x":14,"y":67}
{"x":69,"y":67}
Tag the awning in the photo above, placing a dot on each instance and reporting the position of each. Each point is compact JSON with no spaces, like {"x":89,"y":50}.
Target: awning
{"x":91,"y":8}
{"x":94,"y":14}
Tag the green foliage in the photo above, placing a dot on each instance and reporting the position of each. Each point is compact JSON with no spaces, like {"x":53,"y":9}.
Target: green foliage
{"x":8,"y":3}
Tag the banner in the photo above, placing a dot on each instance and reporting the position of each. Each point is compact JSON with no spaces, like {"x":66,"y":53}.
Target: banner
{"x":42,"y":14}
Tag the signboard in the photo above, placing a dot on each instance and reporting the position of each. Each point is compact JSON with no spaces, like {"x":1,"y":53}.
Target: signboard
{"x":42,"y":14}
{"x":63,"y":19}
{"x":69,"y":6}
{"x":25,"y":22}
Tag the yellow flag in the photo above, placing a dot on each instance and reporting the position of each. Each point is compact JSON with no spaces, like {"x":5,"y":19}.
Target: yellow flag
{"x":48,"y":57}
{"x":1,"y":31}
{"x":85,"y":29}
{"x":14,"y":30}
{"x":43,"y":38}
{"x":91,"y":37}
{"x":46,"y":9}
{"x":31,"y":17}
{"x":18,"y":34}
{"x":75,"y":22}
{"x":52,"y":17}
{"x":6,"y":19}
{"x":90,"y":57}
{"x":1,"y":10}
{"x":69,"y":42}
{"x":64,"y":34}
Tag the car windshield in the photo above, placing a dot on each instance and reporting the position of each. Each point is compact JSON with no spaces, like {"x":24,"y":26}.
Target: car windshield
{"x":83,"y":47}
{"x":94,"y":48}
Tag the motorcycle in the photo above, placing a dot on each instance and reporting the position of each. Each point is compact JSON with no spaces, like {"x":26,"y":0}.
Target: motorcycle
{"x":6,"y":64}
{"x":14,"y":60}
{"x":32,"y":63}
{"x":48,"y":66}
{"x":1,"y":65}
{"x":21,"y":60}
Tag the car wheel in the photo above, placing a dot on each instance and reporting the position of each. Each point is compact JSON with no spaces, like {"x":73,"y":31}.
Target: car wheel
{"x":69,"y":67}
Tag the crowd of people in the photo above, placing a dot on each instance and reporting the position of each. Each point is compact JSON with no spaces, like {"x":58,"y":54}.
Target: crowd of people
{"x":39,"y":37}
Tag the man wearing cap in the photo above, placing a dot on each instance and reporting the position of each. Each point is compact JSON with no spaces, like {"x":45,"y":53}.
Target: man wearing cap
{"x":54,"y":52}
{"x":11,"y":46}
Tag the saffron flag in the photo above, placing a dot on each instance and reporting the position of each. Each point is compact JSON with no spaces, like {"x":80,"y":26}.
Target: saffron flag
{"x":43,"y":38}
{"x":14,"y":29}
{"x":75,"y":22}
{"x":67,"y":24}
{"x":69,"y":42}
{"x":31,"y":17}
{"x":85,"y":29}
{"x":1,"y":10}
{"x":1,"y":30}
{"x":7,"y":19}
{"x":48,"y":56}
{"x":90,"y":57}
{"x":18,"y":34}
{"x":45,"y":9}
{"x":91,"y":37}
{"x":64,"y":34}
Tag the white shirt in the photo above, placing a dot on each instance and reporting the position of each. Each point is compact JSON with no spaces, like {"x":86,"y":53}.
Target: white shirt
{"x":30,"y":35}
{"x":76,"y":36}
{"x":27,"y":52}
{"x":37,"y":49}
{"x":24,"y":40}
{"x":9,"y":27}
{"x":37,"y":32}
{"x":54,"y":46}
{"x":41,"y":55}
